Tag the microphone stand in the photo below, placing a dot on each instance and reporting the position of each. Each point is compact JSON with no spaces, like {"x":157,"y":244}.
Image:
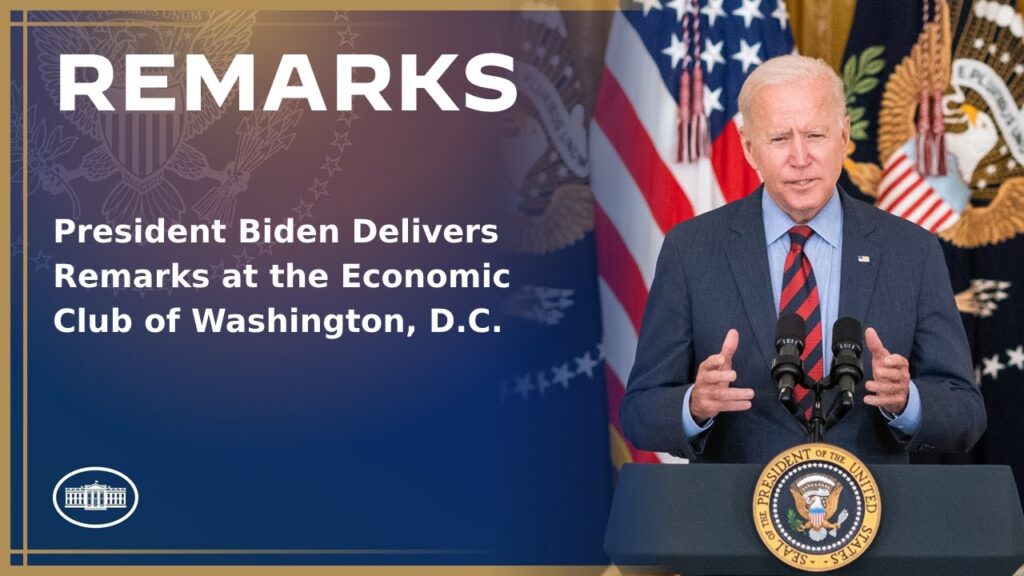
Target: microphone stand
{"x":816,"y":424}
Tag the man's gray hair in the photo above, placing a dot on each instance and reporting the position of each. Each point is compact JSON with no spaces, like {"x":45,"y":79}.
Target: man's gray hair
{"x":791,"y":69}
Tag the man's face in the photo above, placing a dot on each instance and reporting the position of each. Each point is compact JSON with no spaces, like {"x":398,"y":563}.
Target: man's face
{"x":796,"y":142}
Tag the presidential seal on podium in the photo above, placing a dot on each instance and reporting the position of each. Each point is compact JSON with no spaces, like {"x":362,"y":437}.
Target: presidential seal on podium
{"x":816,"y":507}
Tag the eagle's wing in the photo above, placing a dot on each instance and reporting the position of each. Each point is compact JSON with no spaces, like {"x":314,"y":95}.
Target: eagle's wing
{"x":832,"y":503}
{"x":51,"y":42}
{"x":899,"y":102}
{"x":801,"y":505}
{"x":1001,"y":220}
{"x":226,"y":34}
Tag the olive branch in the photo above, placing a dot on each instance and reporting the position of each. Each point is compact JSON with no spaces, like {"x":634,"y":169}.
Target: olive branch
{"x":860,"y":76}
{"x":794,"y":521}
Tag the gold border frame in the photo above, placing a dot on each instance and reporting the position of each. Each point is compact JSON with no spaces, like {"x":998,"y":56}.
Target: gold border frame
{"x":5,"y":326}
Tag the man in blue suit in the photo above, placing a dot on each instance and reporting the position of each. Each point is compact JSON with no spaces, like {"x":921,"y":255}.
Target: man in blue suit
{"x":701,"y":386}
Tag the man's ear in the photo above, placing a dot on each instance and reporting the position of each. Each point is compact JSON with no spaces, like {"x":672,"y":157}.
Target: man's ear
{"x":746,"y":143}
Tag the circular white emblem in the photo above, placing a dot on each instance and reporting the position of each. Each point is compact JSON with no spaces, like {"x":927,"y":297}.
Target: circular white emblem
{"x":95,"y":497}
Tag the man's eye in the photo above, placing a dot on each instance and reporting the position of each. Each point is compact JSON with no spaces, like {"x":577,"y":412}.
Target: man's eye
{"x":815,"y":136}
{"x":779,"y":139}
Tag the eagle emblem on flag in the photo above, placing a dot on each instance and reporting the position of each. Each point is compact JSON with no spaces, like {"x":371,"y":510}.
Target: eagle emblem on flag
{"x":544,"y":145}
{"x":150,"y":155}
{"x":976,"y":198}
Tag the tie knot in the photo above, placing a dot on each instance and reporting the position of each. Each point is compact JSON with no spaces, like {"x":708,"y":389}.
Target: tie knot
{"x":798,"y":235}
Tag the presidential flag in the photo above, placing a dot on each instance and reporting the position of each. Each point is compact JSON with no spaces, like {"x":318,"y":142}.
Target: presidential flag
{"x":968,"y":57}
{"x":671,"y":69}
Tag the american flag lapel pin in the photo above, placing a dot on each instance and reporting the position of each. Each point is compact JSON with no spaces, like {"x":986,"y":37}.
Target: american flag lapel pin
{"x":864,"y":259}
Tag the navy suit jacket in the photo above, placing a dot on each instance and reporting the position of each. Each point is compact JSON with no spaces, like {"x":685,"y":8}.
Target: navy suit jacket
{"x":712,"y":275}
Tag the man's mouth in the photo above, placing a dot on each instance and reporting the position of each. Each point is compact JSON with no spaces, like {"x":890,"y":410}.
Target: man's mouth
{"x":803,"y":182}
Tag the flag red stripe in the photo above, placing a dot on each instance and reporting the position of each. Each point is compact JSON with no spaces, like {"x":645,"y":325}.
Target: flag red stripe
{"x":892,"y":165}
{"x":617,"y":118}
{"x":735,"y":176}
{"x":617,"y":267}
{"x":938,"y":225}
{"x":903,"y":175}
{"x":906,"y":213}
{"x":933,"y":202}
{"x":912,"y":188}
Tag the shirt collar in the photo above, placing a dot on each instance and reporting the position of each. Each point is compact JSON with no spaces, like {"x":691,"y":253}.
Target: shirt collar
{"x":827,"y":223}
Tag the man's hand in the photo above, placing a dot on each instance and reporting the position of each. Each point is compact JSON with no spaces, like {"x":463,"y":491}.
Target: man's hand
{"x":711,"y":393}
{"x":891,"y":372}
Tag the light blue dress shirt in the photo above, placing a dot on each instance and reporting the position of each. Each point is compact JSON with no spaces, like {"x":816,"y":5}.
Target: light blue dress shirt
{"x":825,"y":251}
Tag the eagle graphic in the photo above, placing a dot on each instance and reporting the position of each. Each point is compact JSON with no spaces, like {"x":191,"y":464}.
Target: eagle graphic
{"x":985,"y":185}
{"x":817,"y":500}
{"x":142,"y":150}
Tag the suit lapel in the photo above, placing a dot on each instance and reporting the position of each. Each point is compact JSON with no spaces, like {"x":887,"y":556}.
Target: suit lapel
{"x":748,"y":260}
{"x":861,"y":259}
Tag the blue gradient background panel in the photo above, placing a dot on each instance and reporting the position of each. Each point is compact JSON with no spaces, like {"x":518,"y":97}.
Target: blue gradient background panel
{"x":368,"y":449}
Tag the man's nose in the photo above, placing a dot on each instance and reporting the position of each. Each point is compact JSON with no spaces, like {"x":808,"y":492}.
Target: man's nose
{"x":799,"y":155}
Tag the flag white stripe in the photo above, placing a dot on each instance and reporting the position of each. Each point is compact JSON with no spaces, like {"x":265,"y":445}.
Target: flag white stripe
{"x":939,"y":214}
{"x":900,"y":163}
{"x":892,"y":195}
{"x":626,"y":207}
{"x":619,"y":335}
{"x":628,"y":60}
{"x":925,"y":206}
{"x":919,"y":190}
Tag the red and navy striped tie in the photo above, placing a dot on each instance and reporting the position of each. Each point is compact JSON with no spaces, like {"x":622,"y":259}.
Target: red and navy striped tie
{"x":800,"y":296}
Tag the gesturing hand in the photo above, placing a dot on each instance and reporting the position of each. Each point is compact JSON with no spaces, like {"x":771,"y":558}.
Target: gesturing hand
{"x":891,"y":373}
{"x":711,"y":393}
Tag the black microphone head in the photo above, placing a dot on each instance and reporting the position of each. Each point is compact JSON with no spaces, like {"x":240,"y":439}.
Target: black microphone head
{"x":846,"y":334}
{"x":790,"y":327}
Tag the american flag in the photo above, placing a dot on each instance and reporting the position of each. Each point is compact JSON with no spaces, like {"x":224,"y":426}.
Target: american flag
{"x":641,"y":190}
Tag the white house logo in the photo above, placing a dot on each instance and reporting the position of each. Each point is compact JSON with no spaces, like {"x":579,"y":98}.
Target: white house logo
{"x":95,"y":497}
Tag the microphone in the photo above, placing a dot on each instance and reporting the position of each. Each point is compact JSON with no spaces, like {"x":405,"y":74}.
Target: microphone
{"x":787,"y":368}
{"x":847,"y":369}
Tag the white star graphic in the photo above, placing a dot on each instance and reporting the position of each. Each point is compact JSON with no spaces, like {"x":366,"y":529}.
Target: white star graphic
{"x":713,"y":100}
{"x":713,"y":10}
{"x":682,"y":7}
{"x":712,"y":54}
{"x":749,"y":11}
{"x":243,"y":258}
{"x":992,"y":366}
{"x":523,"y":386}
{"x":562,"y":375}
{"x":542,"y":383}
{"x":748,"y":55}
{"x":42,"y":260}
{"x":648,"y":5}
{"x":781,"y":14}
{"x":585,"y":364}
{"x":304,"y":210}
{"x":677,"y":50}
{"x":1016,"y":357}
